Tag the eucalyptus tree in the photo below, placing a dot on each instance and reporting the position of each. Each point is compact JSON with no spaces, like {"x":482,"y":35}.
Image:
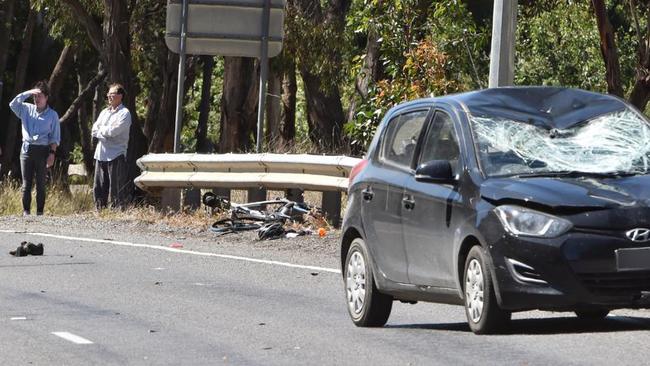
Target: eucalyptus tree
{"x":318,"y":41}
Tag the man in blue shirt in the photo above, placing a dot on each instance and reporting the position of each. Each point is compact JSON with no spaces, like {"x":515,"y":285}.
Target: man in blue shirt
{"x":112,"y":132}
{"x":41,"y":136}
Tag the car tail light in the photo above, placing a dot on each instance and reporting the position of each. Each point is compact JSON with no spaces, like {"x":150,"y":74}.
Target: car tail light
{"x":355,"y":171}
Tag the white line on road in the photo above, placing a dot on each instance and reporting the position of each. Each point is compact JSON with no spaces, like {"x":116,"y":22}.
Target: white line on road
{"x":72,"y":338}
{"x":175,"y":250}
{"x":19,"y":318}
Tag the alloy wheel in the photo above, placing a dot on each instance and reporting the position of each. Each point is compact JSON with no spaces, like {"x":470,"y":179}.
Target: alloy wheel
{"x":474,"y":290}
{"x":356,"y":282}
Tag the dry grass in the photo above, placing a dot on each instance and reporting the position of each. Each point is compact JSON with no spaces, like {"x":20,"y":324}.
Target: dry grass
{"x":58,"y":202}
{"x":80,"y":202}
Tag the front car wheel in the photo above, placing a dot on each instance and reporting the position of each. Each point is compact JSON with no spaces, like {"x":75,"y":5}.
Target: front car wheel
{"x":483,"y":312}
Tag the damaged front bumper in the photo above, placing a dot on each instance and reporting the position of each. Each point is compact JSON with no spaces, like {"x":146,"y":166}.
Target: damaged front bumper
{"x":577,"y":270}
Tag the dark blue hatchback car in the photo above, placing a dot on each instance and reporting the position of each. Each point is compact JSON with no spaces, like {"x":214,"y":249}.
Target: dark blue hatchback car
{"x":502,"y":200}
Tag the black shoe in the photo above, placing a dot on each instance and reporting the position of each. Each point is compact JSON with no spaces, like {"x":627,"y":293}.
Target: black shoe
{"x":35,"y":249}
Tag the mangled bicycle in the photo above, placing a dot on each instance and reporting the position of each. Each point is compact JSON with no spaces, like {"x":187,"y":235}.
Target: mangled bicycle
{"x":268,"y":217}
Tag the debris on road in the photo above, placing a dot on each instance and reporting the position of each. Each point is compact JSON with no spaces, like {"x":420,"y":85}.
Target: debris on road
{"x":26,"y":248}
{"x":286,"y":219}
{"x":322,"y":232}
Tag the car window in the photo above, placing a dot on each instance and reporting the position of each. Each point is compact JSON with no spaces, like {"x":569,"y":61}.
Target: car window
{"x":402,"y":136}
{"x":441,"y":142}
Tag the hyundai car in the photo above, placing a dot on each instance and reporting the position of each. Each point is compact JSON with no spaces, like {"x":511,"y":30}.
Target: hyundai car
{"x":501,"y":200}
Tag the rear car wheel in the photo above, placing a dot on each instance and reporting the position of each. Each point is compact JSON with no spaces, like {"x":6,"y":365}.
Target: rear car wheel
{"x":592,"y":314}
{"x":367,"y":306}
{"x":483,"y":313}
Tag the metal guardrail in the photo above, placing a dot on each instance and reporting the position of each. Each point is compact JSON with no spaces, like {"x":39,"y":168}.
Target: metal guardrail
{"x":235,"y":171}
{"x":256,"y":172}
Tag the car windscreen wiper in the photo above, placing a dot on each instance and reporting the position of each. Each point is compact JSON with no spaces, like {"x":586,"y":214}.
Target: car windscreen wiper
{"x":576,"y":174}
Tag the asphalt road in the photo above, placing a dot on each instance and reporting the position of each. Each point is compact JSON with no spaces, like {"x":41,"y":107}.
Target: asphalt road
{"x":111,"y":303}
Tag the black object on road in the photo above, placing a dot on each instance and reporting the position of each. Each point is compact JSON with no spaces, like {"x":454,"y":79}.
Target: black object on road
{"x":26,"y":248}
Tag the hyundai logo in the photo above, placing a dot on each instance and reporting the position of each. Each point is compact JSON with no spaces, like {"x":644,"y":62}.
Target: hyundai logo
{"x":638,"y":234}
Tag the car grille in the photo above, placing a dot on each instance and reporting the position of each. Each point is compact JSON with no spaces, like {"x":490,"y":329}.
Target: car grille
{"x":616,"y":283}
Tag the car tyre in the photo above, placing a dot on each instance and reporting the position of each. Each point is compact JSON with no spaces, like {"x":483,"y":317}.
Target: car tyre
{"x":592,"y":314}
{"x":483,"y":312}
{"x":366,"y":305}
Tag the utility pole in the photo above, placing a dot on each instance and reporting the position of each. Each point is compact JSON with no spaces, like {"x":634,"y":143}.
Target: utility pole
{"x":181,"y":78}
{"x":502,"y":53}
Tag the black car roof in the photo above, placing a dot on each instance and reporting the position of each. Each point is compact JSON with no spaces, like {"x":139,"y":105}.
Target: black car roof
{"x":551,"y":107}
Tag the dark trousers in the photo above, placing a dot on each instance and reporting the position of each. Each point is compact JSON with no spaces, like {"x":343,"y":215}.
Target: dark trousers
{"x":33,"y":162}
{"x":110,"y":183}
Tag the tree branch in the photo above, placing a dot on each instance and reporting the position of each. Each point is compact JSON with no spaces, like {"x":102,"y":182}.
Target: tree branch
{"x":92,"y":27}
{"x":90,"y":88}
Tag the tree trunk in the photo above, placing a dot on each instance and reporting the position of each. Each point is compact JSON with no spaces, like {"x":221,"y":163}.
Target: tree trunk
{"x":13,"y":136}
{"x":162,"y":125}
{"x":238,"y":104}
{"x":117,"y":59}
{"x":58,"y":76}
{"x":325,"y":115}
{"x":288,"y":121}
{"x":84,"y":130}
{"x":161,"y":111}
{"x":6,"y":19}
{"x":203,"y":145}
{"x":369,"y":71}
{"x":324,"y":112}
{"x":608,"y":49}
{"x":273,"y":109}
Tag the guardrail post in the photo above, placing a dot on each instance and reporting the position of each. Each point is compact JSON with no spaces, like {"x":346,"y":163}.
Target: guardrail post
{"x":297,"y":195}
{"x":192,"y":198}
{"x":170,"y":199}
{"x":332,"y":207}
{"x":256,"y":194}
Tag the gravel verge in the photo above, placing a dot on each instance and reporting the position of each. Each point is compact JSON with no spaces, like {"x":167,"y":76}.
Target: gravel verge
{"x":306,"y":250}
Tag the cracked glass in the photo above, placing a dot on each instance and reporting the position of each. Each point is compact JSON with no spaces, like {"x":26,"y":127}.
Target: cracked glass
{"x":616,"y":143}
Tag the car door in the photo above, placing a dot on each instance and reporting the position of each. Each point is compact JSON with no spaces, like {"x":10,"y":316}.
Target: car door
{"x":428,"y":208}
{"x":383,"y":189}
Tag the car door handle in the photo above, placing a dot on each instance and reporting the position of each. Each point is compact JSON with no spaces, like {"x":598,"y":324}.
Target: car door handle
{"x":368,"y":194}
{"x":408,"y":202}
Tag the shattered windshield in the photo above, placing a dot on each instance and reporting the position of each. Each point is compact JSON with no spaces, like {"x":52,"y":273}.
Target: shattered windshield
{"x":614,"y":143}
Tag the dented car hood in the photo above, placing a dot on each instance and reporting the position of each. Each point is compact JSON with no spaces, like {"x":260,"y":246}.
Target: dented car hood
{"x":573,"y":194}
{"x":548,"y":107}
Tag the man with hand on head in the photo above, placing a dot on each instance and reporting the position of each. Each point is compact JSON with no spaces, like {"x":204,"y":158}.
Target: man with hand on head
{"x":41,"y":136}
{"x":112,"y":132}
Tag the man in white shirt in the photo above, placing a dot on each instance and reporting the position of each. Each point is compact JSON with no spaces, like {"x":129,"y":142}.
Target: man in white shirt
{"x":112,"y":132}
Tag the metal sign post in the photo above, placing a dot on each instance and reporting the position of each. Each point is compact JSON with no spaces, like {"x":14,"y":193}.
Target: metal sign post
{"x":181,"y":79}
{"x":240,"y":28}
{"x":264,"y":73}
{"x":502,"y":53}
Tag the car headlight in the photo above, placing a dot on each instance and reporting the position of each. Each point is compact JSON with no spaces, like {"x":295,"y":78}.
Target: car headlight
{"x":523,"y":221}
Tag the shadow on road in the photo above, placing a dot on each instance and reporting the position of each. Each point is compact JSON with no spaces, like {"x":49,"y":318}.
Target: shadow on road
{"x":563,"y":325}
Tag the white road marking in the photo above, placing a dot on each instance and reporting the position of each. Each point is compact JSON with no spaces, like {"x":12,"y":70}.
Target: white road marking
{"x":19,"y":318}
{"x":72,"y":338}
{"x":176,"y":250}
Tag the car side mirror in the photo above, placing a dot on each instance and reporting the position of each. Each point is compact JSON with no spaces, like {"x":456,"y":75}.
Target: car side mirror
{"x":435,"y":171}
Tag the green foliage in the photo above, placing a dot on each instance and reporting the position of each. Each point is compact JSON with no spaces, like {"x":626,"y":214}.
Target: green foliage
{"x":556,"y":49}
{"x":191,"y":108}
{"x":427,"y":48}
